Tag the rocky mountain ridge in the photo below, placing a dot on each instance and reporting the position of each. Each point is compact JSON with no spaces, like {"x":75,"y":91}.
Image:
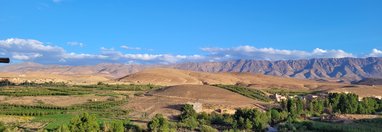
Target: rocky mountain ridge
{"x":323,"y":69}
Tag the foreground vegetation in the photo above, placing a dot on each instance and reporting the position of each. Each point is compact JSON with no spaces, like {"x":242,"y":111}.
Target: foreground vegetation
{"x":107,"y":111}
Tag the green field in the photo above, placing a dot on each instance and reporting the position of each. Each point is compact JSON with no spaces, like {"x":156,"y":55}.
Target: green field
{"x":55,"y":116}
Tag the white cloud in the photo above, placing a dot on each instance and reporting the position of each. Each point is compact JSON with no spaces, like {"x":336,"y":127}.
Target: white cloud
{"x":130,"y":48}
{"x":29,"y":50}
{"x":74,"y":43}
{"x":375,"y":53}
{"x":36,"y":51}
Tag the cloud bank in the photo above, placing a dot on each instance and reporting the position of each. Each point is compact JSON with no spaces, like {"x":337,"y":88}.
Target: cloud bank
{"x":30,"y":50}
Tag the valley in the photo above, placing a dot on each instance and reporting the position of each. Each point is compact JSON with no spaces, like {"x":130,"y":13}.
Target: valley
{"x":36,"y":101}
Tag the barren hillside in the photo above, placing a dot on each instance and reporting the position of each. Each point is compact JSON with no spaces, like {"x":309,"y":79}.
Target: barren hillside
{"x":169,"y":100}
{"x":166,"y":76}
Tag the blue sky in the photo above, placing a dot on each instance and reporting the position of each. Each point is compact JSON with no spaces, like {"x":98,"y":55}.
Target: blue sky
{"x":171,"y":31}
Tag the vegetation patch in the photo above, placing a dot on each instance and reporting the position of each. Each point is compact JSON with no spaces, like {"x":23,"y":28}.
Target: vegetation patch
{"x":251,"y":93}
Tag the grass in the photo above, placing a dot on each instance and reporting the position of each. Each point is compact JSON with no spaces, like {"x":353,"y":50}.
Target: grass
{"x":42,"y":91}
{"x":55,"y":116}
{"x":365,"y":125}
{"x":251,"y":93}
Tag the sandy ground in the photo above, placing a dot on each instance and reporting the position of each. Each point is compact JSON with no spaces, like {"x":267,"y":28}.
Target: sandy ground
{"x":51,"y":100}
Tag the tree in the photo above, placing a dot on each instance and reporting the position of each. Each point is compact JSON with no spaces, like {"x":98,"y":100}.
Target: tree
{"x":117,"y":126}
{"x":248,"y":124}
{"x":84,"y":123}
{"x":318,"y":105}
{"x":188,"y":112}
{"x":275,"y":116}
{"x":190,"y":123}
{"x":189,"y":117}
{"x":299,"y":106}
{"x":204,"y":118}
{"x":259,"y":119}
{"x":291,"y":105}
{"x":158,"y":124}
{"x":367,"y":106}
{"x":206,"y":128}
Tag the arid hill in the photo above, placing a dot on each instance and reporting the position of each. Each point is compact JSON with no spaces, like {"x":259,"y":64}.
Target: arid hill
{"x":170,"y":77}
{"x":169,"y":100}
{"x":167,"y":76}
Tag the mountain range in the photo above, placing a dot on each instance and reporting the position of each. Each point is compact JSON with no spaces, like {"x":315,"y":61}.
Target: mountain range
{"x":322,"y":69}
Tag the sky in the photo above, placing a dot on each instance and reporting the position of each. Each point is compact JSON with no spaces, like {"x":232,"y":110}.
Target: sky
{"x":87,"y":32}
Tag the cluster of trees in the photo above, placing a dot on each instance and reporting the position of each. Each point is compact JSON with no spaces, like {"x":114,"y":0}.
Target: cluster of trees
{"x":335,"y":103}
{"x":88,"y":123}
{"x":250,"y":119}
{"x":45,"y":84}
{"x":6,"y":82}
{"x":348,"y":103}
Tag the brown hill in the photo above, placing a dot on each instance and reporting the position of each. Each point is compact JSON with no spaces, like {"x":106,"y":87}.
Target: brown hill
{"x":166,"y":76}
{"x":202,"y":93}
{"x":169,"y":100}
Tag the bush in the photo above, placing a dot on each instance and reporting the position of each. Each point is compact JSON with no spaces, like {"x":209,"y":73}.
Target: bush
{"x":206,"y":128}
{"x":84,"y":122}
{"x":158,"y":124}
